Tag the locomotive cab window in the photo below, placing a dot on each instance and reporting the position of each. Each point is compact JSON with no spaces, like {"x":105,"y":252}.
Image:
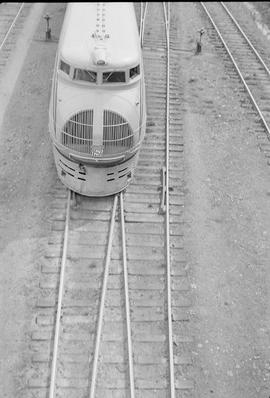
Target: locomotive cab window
{"x":133,"y":72}
{"x":85,"y":75}
{"x":114,"y":77}
{"x":64,"y":67}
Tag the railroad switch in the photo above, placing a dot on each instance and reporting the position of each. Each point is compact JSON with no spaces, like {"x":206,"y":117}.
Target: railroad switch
{"x":199,"y":42}
{"x":48,"y":31}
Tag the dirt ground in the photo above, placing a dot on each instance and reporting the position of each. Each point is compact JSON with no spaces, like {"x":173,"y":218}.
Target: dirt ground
{"x":227,"y":216}
{"x":228,"y":227}
{"x":27,"y":176}
{"x":263,"y":10}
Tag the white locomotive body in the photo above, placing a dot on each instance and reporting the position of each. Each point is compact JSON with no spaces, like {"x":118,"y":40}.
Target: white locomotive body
{"x":97,"y":107}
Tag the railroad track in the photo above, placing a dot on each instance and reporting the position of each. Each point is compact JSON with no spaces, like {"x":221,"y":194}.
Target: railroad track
{"x":251,"y":69}
{"x":121,"y":328}
{"x":12,"y":17}
{"x":154,"y":206}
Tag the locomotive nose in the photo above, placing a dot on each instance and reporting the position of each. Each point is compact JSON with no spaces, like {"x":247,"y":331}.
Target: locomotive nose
{"x":108,"y":125}
{"x":99,"y":109}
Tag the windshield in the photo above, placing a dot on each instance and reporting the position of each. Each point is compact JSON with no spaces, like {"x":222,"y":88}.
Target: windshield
{"x":114,"y":77}
{"x":85,"y":75}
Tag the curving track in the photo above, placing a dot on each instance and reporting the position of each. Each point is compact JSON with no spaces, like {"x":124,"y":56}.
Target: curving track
{"x":248,"y":63}
{"x":121,"y":288}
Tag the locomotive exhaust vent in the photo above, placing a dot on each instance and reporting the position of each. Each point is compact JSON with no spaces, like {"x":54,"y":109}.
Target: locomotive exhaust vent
{"x":78,"y":132}
{"x":117,"y":133}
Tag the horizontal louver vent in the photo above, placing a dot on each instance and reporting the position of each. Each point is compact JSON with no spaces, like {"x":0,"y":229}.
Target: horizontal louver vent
{"x":78,"y":132}
{"x":117,"y":134}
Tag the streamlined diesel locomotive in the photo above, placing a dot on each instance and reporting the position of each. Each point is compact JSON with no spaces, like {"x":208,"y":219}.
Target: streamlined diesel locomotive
{"x":97,"y":112}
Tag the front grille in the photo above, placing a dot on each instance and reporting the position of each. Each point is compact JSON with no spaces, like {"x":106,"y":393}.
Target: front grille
{"x":117,"y":133}
{"x":78,"y":132}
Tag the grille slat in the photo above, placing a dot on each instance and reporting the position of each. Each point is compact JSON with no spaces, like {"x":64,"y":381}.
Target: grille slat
{"x":117,"y":134}
{"x":78,"y":132}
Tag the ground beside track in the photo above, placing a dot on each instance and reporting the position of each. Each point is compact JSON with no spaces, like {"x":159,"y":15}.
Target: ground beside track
{"x":227,"y":214}
{"x":228,"y":227}
{"x":263,"y":9}
{"x":27,"y":176}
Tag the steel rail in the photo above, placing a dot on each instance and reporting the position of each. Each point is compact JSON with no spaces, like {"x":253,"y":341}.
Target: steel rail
{"x":127,"y":307}
{"x":167,"y":200}
{"x":59,"y":302}
{"x":239,"y":72}
{"x":142,"y":21}
{"x":11,"y":26}
{"x":246,"y":38}
{"x":102,"y":301}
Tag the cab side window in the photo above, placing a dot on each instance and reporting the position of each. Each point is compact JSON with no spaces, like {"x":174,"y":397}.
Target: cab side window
{"x":133,"y":72}
{"x":64,"y":67}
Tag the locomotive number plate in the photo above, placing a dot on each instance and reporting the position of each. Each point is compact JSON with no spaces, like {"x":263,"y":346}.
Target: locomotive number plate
{"x":96,"y":150}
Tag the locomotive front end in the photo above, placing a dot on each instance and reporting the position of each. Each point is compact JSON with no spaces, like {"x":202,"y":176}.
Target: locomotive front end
{"x":97,"y":110}
{"x":97,"y":141}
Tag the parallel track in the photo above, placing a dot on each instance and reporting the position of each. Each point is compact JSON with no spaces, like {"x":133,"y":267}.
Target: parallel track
{"x":122,"y":297}
{"x":250,"y":67}
{"x":12,"y":17}
{"x":73,"y":284}
{"x":10,"y":24}
{"x":154,"y":212}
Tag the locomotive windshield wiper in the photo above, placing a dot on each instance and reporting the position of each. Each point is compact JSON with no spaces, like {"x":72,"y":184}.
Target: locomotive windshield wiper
{"x":108,"y":76}
{"x":91,"y":75}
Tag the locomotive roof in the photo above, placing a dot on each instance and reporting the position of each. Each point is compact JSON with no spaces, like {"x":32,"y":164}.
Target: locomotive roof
{"x":91,"y":25}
